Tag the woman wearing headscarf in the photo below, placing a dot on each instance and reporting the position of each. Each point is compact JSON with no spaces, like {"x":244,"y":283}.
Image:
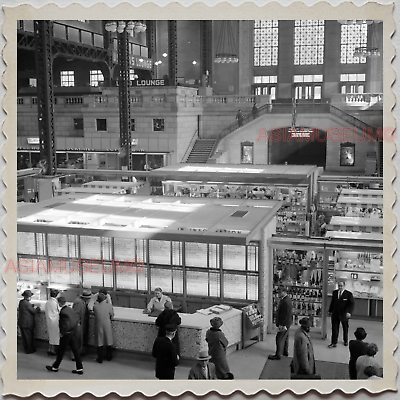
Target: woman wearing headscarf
{"x":52,"y":312}
{"x":217,"y":345}
{"x":169,"y":317}
{"x":103,"y":313}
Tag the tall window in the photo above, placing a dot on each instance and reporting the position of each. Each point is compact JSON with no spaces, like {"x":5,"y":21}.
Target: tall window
{"x":265,"y":43}
{"x":352,"y":36}
{"x":309,"y":42}
{"x":265,"y":85}
{"x":67,"y":78}
{"x":352,"y":83}
{"x":96,"y":76}
{"x":308,"y":87}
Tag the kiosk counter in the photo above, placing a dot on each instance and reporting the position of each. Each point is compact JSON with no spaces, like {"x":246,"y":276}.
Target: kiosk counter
{"x":135,"y":331}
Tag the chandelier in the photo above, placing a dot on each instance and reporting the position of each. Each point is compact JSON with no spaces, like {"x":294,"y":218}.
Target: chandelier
{"x":226,"y":50}
{"x":120,"y":26}
{"x":365,"y":51}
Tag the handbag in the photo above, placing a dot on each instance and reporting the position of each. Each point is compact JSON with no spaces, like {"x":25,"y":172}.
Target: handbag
{"x":305,"y":376}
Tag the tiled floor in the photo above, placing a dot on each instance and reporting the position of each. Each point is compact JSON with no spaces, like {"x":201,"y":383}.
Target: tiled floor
{"x":245,"y":364}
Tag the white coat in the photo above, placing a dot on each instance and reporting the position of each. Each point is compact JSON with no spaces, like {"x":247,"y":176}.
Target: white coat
{"x":52,"y":316}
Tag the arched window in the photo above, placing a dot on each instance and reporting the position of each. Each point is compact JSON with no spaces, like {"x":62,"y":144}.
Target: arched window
{"x":265,"y":43}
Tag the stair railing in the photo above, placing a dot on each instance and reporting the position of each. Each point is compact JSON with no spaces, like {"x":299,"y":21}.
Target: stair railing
{"x":190,"y":146}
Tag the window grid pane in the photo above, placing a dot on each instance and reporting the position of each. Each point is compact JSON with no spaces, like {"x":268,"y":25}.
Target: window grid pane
{"x":265,"y":43}
{"x":96,"y":76}
{"x":67,"y":78}
{"x":352,"y":36}
{"x":309,"y":42}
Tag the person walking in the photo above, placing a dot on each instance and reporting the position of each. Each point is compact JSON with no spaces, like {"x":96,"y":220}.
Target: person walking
{"x":217,"y":345}
{"x":103,"y":313}
{"x":357,"y":348}
{"x":80,"y":305}
{"x":303,"y":362}
{"x":239,"y":117}
{"x":68,"y":324}
{"x":203,"y":369}
{"x":283,"y":320}
{"x":51,"y":311}
{"x":340,"y":310}
{"x":26,"y":321}
{"x":164,"y":351}
{"x":169,"y":317}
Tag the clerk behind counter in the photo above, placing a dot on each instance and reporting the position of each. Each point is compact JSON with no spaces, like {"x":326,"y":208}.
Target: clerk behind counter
{"x":158,"y":301}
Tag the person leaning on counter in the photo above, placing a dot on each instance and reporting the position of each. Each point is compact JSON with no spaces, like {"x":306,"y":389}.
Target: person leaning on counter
{"x":26,"y":321}
{"x":158,"y":301}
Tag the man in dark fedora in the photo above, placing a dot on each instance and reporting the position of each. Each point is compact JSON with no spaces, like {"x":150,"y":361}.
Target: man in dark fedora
{"x":164,"y":351}
{"x":203,"y":369}
{"x":303,"y":362}
{"x":26,"y":321}
{"x":283,"y":320}
{"x":68,"y":337}
{"x":80,"y":305}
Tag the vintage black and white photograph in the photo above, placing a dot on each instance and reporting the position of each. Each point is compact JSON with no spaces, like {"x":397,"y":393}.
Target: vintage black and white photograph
{"x":202,"y":199}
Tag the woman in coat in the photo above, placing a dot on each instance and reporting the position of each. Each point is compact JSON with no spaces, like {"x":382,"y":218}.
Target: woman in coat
{"x":303,"y":362}
{"x":169,"y":317}
{"x":51,"y":311}
{"x":357,"y":348}
{"x":217,"y":344}
{"x":103,"y":313}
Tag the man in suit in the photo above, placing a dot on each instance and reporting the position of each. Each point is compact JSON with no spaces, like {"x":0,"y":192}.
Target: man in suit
{"x":164,"y":351}
{"x":340,"y":310}
{"x":26,"y":321}
{"x":283,"y":320}
{"x":203,"y":369}
{"x":68,"y":323}
{"x":80,"y":305}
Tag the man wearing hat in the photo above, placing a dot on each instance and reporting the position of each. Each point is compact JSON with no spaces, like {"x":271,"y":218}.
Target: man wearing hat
{"x":164,"y":351}
{"x":283,"y":320}
{"x":26,"y":321}
{"x":303,"y":362}
{"x":68,"y":337}
{"x":203,"y":369}
{"x":217,"y":345}
{"x":80,"y":305}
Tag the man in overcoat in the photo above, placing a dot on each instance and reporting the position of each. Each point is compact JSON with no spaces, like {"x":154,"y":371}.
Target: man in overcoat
{"x":80,"y":305}
{"x":283,"y":320}
{"x":164,"y":351}
{"x":340,"y":310}
{"x":203,"y":369}
{"x":26,"y":321}
{"x":303,"y":362}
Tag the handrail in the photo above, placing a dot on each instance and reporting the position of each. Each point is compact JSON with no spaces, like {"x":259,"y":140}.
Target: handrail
{"x":190,"y":146}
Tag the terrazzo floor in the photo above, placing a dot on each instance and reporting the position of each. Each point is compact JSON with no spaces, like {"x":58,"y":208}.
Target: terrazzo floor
{"x":245,"y":364}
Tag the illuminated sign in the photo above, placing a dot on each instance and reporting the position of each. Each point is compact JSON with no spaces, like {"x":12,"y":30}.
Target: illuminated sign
{"x":148,"y":82}
{"x":32,"y":140}
{"x":301,"y":132}
{"x":141,"y":62}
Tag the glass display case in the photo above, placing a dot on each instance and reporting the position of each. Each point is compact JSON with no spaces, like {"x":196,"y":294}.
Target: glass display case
{"x":301,"y":271}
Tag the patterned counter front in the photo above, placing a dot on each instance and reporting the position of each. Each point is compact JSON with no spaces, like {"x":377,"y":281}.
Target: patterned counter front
{"x":136,"y":331}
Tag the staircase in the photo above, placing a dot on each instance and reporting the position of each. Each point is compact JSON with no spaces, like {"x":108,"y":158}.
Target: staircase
{"x":201,"y":151}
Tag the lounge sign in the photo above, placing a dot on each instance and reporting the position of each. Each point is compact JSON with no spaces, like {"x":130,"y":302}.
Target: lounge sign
{"x":148,"y":82}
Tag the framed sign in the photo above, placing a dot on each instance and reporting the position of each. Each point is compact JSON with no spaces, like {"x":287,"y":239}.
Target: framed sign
{"x":347,"y":154}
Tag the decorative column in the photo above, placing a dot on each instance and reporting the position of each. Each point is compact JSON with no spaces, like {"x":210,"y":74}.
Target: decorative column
{"x":151,"y":42}
{"x":172,"y":53}
{"x":45,"y":96}
{"x":206,"y":48}
{"x":124,"y":100}
{"x":374,"y":75}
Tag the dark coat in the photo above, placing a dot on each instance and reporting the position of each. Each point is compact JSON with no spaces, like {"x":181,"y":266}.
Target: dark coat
{"x":217,"y":344}
{"x":165,"y":318}
{"x":68,"y":320}
{"x":284,"y":313}
{"x":357,"y":348}
{"x":81,"y":308}
{"x":196,"y":372}
{"x":164,"y":352}
{"x":343,"y":305}
{"x":26,"y":314}
{"x":303,"y":354}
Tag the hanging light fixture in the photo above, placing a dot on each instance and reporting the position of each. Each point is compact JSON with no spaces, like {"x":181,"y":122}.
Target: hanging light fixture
{"x":130,"y":26}
{"x":226,"y":49}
